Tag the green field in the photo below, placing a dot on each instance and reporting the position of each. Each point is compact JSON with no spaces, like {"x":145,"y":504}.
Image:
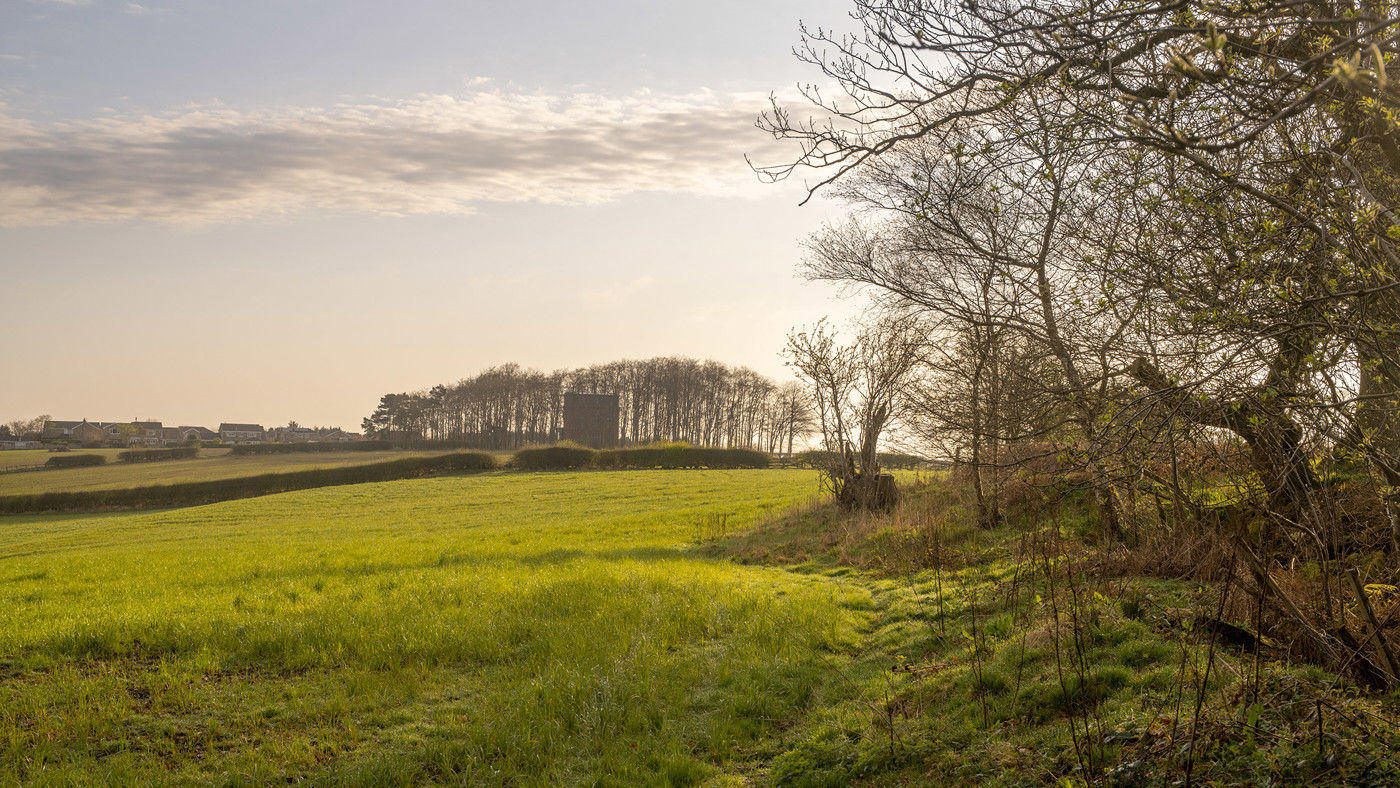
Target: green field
{"x":211,"y":464}
{"x":536,"y":629}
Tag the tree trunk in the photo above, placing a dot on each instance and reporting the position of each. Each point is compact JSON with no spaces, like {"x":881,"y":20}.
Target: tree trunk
{"x":1275,"y":441}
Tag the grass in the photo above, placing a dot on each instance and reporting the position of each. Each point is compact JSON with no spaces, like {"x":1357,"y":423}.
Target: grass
{"x":212,"y":464}
{"x":1008,"y":657}
{"x":522,"y":629}
{"x":667,"y":628}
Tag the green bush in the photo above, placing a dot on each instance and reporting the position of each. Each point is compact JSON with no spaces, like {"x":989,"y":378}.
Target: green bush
{"x":194,"y":493}
{"x":153,"y":455}
{"x":554,"y":458}
{"x":75,"y":460}
{"x":300,"y":448}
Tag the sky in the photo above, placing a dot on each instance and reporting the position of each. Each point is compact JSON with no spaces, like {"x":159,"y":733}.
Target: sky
{"x":274,"y":210}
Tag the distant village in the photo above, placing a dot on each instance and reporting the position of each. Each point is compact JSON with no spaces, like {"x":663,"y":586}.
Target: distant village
{"x":156,"y":434}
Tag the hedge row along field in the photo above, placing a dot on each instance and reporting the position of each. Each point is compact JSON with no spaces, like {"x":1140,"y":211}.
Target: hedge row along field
{"x":75,"y":460}
{"x":889,"y":461}
{"x":304,"y":448}
{"x":195,"y":493}
{"x":153,"y":455}
{"x":547,"y":458}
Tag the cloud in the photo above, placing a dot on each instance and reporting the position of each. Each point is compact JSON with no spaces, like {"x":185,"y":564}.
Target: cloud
{"x":442,"y":154}
{"x":141,"y":10}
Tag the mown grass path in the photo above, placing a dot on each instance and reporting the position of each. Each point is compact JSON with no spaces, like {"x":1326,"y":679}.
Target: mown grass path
{"x":521,"y":629}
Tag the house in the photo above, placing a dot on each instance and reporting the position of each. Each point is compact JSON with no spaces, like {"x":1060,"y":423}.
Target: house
{"x":338,"y":436}
{"x":292,"y":434}
{"x":58,"y":430}
{"x":171,"y":436}
{"x":204,"y":434}
{"x":241,"y":433}
{"x":84,"y":431}
{"x":592,"y":420}
{"x":149,"y":433}
{"x":310,"y":435}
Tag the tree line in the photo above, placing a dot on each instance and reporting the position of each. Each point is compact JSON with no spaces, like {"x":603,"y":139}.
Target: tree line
{"x":23,"y":429}
{"x":704,"y":403}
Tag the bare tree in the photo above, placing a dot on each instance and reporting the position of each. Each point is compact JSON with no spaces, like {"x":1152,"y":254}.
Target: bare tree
{"x":857,"y":389}
{"x":28,"y":429}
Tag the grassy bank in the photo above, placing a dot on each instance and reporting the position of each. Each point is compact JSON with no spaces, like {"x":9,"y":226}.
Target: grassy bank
{"x":1030,"y":655}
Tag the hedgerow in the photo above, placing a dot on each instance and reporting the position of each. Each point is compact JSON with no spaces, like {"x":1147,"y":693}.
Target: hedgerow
{"x":681,"y":456}
{"x":299,"y":448}
{"x":75,"y":460}
{"x":153,"y":455}
{"x":553,"y":458}
{"x":819,"y":459}
{"x":194,"y":493}
{"x":677,"y":455}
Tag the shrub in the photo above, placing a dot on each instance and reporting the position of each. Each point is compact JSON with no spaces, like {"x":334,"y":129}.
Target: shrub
{"x":299,"y":448}
{"x":194,"y":493}
{"x":152,"y":455}
{"x":75,"y":460}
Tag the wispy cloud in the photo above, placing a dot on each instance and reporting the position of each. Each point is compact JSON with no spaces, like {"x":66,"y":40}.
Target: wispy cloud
{"x":430,"y":154}
{"x":141,"y":10}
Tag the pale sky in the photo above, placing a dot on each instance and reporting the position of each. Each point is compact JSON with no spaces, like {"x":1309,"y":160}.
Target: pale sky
{"x":263,"y":210}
